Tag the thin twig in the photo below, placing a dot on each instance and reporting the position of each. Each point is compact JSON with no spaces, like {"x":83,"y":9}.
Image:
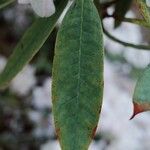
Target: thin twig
{"x":140,"y":47}
{"x":137,"y":22}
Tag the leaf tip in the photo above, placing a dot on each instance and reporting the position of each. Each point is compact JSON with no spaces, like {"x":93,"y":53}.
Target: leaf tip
{"x":137,"y":108}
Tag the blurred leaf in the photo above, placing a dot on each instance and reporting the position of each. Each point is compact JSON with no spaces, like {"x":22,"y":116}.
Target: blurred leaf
{"x":43,"y":64}
{"x":141,"y":98}
{"x":29,"y":45}
{"x":4,"y":3}
{"x":121,"y":8}
{"x":144,"y":9}
{"x":77,"y":87}
{"x":8,"y":100}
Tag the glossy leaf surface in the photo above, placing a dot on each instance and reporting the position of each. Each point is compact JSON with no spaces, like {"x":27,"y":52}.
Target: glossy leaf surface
{"x":77,"y":87}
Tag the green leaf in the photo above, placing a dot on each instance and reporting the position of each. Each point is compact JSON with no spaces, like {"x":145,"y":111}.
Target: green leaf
{"x":29,"y":45}
{"x":4,"y":3}
{"x":141,"y":98}
{"x":77,"y":87}
{"x":144,"y":9}
{"x":121,"y":8}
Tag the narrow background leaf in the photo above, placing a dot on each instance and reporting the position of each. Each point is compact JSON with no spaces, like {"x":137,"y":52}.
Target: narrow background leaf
{"x":121,"y":8}
{"x":29,"y":45}
{"x":144,"y":9}
{"x":4,"y":3}
{"x":77,"y":88}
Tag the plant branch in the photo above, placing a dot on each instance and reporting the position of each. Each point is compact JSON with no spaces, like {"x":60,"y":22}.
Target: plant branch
{"x":140,"y":47}
{"x":137,"y":22}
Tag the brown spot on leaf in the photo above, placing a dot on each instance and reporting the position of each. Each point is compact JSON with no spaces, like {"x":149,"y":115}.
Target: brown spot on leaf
{"x":57,"y":133}
{"x":93,"y":132}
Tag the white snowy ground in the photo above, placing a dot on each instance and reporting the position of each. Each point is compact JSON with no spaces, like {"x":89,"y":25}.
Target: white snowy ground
{"x":117,"y":105}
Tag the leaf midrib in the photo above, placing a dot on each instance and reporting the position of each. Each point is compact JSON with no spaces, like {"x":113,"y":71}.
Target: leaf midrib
{"x":79,"y":54}
{"x":79,"y":65}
